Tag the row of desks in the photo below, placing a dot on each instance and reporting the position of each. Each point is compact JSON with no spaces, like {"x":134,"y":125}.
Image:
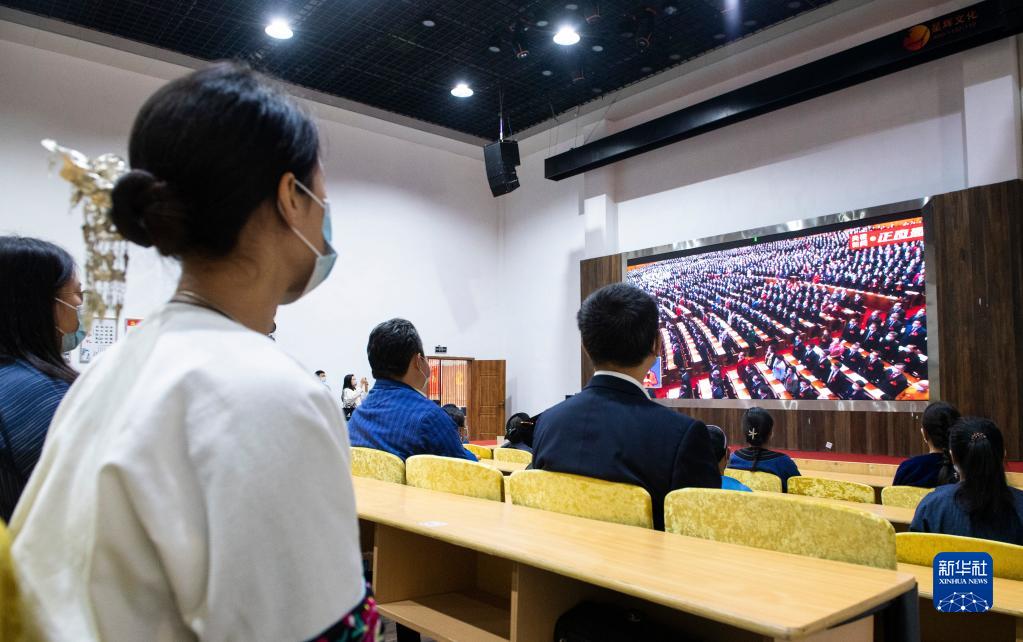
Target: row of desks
{"x":461,"y":568}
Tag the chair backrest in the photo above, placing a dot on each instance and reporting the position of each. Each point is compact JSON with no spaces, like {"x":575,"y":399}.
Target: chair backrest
{"x":459,"y":476}
{"x":481,"y":452}
{"x":903,"y":496}
{"x":513,"y":454}
{"x":582,"y":497}
{"x":10,"y":608}
{"x":920,"y":549}
{"x":377,"y":464}
{"x":783,"y":523}
{"x":756,"y":480}
{"x":831,"y":489}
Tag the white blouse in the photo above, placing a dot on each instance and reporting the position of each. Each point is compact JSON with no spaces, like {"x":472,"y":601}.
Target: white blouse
{"x":352,"y":398}
{"x":194,"y":484}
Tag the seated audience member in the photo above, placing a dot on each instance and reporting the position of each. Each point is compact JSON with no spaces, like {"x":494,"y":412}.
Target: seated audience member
{"x":806,"y":391}
{"x":611,"y":430}
{"x":871,"y":336}
{"x":41,"y":298}
{"x":719,"y":442}
{"x":857,"y":393}
{"x":982,"y":504}
{"x":458,"y":417}
{"x":934,"y":468}
{"x":397,"y":417}
{"x":757,"y":423}
{"x":895,"y":381}
{"x":853,"y":357}
{"x":518,"y":432}
{"x":873,"y":369}
{"x":195,"y":481}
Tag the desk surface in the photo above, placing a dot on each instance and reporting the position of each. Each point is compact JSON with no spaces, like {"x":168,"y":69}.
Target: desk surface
{"x":874,"y":481}
{"x":682,"y":573}
{"x":506,"y":467}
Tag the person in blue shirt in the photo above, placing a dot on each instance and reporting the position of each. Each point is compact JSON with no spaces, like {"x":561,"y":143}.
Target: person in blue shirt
{"x":719,"y":442}
{"x":982,"y":504}
{"x":40,"y":295}
{"x":757,"y":424}
{"x":397,"y":417}
{"x":934,"y":468}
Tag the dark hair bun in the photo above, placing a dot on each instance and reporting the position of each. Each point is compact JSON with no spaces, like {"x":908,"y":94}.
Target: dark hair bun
{"x":146,"y":212}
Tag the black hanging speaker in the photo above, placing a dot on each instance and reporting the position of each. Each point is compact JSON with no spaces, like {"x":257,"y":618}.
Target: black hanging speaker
{"x":501,"y":158}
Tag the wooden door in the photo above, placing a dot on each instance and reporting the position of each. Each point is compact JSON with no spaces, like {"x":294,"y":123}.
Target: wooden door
{"x":486,"y":411}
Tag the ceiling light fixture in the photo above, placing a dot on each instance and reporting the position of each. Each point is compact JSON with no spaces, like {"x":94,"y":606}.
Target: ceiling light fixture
{"x":279,"y":28}
{"x":670,"y":8}
{"x":542,"y":23}
{"x":593,"y":15}
{"x":597,"y":48}
{"x":461,"y":90}
{"x":547,"y":72}
{"x":428,"y":21}
{"x":520,"y":40}
{"x":566,"y":36}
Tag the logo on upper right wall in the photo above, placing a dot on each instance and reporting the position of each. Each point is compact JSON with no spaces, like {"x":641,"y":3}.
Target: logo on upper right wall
{"x":916,"y":38}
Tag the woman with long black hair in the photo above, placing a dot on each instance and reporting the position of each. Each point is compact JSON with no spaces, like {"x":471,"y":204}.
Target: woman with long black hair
{"x":935,"y":467}
{"x":40,"y":296}
{"x":982,"y":504}
{"x":196,"y":483}
{"x":757,"y":425}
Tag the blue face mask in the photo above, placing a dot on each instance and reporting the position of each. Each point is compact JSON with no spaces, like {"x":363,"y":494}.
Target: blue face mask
{"x":71,"y":340}
{"x":324,"y":261}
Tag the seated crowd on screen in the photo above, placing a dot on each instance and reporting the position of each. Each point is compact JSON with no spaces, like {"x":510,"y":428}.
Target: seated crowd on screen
{"x":181,"y":442}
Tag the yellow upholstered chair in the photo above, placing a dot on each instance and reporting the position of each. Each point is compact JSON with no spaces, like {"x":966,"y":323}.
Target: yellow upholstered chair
{"x":798,"y":525}
{"x":756,"y":481}
{"x":903,"y":496}
{"x":582,"y":497}
{"x":920,"y":549}
{"x":481,"y":452}
{"x":10,"y":609}
{"x":377,"y":464}
{"x":459,"y":476}
{"x":513,"y":455}
{"x":831,"y":489}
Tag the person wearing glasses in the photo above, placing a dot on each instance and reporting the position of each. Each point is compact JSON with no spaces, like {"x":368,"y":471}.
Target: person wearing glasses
{"x":40,"y":296}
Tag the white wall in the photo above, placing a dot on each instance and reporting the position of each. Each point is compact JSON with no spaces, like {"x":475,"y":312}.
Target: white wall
{"x":415,"y":225}
{"x":940,"y":127}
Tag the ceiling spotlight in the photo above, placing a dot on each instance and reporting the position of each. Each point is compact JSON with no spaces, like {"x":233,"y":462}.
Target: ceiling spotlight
{"x":494,"y":44}
{"x":670,"y":8}
{"x":571,"y":6}
{"x":542,"y":23}
{"x":547,"y":72}
{"x":597,"y":48}
{"x":645,"y":27}
{"x":566,"y":36}
{"x":520,"y":40}
{"x":428,"y":21}
{"x":279,"y":28}
{"x":461,"y":90}
{"x":593,"y":15}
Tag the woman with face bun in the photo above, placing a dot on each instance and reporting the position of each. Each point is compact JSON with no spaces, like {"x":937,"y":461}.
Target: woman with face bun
{"x":196,"y":481}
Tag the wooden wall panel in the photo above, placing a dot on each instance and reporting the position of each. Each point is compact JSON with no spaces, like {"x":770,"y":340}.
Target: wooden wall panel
{"x":593,"y":275}
{"x":976,"y":260}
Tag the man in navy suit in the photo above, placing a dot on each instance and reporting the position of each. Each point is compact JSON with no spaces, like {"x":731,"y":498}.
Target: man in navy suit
{"x":611,"y":430}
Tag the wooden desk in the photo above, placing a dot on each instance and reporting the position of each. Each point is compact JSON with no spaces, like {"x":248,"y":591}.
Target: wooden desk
{"x":506,"y":467}
{"x":461,"y":568}
{"x":900,"y":518}
{"x":1003,"y":622}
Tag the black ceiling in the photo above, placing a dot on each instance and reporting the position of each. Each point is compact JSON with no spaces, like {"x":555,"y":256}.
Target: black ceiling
{"x":378,"y":52}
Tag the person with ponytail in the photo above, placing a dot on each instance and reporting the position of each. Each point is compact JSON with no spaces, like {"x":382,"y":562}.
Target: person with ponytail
{"x":41,"y":297}
{"x":981,"y":504}
{"x":196,"y":482}
{"x":757,"y":424}
{"x":935,"y":467}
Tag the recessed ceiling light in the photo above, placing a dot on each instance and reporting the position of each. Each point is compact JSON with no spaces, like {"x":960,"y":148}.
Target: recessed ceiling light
{"x":750,"y":23}
{"x":646,"y":70}
{"x":571,"y":6}
{"x":719,"y":36}
{"x":597,"y":48}
{"x":461,"y":90}
{"x":546,"y":72}
{"x":279,"y":28}
{"x":494,"y":49}
{"x":566,"y":36}
{"x":429,"y":22}
{"x":542,"y":23}
{"x":675,"y":56}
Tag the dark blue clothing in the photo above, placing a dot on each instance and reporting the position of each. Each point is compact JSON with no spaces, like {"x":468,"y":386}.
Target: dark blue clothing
{"x":921,"y":471}
{"x":769,"y":461}
{"x":939,"y":512}
{"x":612,"y":431}
{"x":398,"y":419}
{"x":28,"y":400}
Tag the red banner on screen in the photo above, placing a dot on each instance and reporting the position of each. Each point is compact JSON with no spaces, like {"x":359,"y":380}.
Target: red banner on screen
{"x":888,"y":234}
